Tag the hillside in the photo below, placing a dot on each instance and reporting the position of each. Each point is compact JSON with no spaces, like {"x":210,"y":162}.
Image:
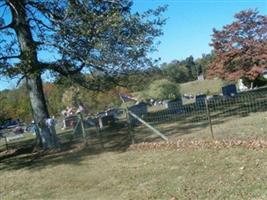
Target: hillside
{"x":202,"y":86}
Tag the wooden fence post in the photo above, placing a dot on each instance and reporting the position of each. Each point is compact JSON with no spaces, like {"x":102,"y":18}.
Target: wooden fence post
{"x":209,"y":118}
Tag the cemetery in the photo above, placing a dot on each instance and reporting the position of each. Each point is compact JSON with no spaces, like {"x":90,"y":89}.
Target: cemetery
{"x":133,"y":100}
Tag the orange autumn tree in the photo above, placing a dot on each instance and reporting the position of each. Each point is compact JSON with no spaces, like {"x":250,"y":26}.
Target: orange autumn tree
{"x":240,"y":47}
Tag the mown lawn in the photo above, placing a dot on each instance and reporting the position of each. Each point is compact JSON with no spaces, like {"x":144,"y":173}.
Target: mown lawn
{"x":202,"y":86}
{"x":112,"y":171}
{"x":233,"y":173}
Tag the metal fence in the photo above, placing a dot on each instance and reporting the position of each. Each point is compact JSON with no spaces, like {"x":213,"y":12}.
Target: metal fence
{"x":241,"y":116}
{"x":222,"y":117}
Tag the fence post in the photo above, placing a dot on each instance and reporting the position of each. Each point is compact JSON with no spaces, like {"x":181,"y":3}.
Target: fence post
{"x":99,"y":135}
{"x":6,"y":143}
{"x":129,"y":128}
{"x":209,"y":118}
{"x":83,"y":129}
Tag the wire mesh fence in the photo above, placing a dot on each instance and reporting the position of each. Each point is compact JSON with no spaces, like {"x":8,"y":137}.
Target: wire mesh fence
{"x":241,"y":116}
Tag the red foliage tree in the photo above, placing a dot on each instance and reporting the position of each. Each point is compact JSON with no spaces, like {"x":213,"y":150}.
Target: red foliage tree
{"x":240,"y":47}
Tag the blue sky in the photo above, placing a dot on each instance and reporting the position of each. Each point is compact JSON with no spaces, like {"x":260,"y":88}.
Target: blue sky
{"x":190,"y":23}
{"x":189,"y":26}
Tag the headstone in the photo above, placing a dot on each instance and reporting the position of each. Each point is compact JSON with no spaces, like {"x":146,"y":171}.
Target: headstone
{"x":138,"y":109}
{"x":106,"y":121}
{"x":173,"y":104}
{"x":200,"y":77}
{"x":241,"y":85}
{"x":229,"y":90}
{"x":200,"y":99}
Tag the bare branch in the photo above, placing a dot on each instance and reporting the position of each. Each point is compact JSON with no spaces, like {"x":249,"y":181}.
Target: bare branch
{"x":20,"y":79}
{"x":4,"y":4}
{"x":9,"y":57}
{"x":7,"y":26}
{"x":37,"y":21}
{"x":47,"y":13}
{"x":63,"y":68}
{"x":13,"y":8}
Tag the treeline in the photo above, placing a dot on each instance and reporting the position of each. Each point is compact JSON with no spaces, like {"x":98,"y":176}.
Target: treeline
{"x":188,"y":69}
{"x":156,"y":82}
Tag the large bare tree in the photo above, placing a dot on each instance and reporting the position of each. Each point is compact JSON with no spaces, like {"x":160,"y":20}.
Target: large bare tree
{"x":92,"y":42}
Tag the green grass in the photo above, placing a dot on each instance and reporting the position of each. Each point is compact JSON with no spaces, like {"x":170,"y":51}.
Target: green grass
{"x":241,"y":117}
{"x":202,"y":86}
{"x":234,"y":173}
{"x":111,"y":171}
{"x":253,"y":126}
{"x":92,"y":172}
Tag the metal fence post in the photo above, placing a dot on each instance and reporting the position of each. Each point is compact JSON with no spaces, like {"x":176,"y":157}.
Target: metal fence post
{"x":129,"y":126}
{"x":209,"y":118}
{"x":6,"y":143}
{"x":83,"y":129}
{"x":99,"y":134}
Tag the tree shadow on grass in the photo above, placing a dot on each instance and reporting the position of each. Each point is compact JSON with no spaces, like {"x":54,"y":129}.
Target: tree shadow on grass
{"x":72,"y":151}
{"x":117,"y":139}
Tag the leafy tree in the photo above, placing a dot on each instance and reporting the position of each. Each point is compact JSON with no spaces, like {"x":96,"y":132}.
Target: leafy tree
{"x":181,"y":71}
{"x":163,"y":89}
{"x":14,"y":104}
{"x":176,"y":72}
{"x":53,"y":94}
{"x":204,"y":62}
{"x":240,"y":47}
{"x":190,"y":64}
{"x":70,"y":96}
{"x":92,"y":42}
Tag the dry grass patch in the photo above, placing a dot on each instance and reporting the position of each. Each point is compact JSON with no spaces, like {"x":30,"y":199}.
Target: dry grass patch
{"x":232,"y":173}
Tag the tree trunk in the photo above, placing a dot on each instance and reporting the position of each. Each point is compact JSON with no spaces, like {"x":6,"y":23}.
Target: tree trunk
{"x":37,"y":100}
{"x":35,"y":92}
{"x":32,"y":70}
{"x":46,"y":137}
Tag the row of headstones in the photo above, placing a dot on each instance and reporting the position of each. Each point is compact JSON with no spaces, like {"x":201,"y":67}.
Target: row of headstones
{"x":227,"y":91}
{"x":141,"y":108}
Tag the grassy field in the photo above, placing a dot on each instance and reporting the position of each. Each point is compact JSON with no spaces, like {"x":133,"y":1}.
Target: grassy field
{"x":203,"y":86}
{"x":234,"y":173}
{"x":115,"y":172}
{"x":252,"y":126}
{"x":108,"y":169}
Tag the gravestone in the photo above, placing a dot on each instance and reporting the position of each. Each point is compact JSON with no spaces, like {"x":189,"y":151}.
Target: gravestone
{"x":173,"y":104}
{"x":200,"y":99}
{"x":229,"y":90}
{"x":138,"y":109}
